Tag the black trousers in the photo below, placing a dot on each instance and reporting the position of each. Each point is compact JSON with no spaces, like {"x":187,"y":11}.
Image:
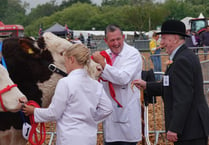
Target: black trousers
{"x":201,"y":141}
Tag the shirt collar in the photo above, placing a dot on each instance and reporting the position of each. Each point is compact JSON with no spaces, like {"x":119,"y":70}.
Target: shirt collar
{"x":174,"y":52}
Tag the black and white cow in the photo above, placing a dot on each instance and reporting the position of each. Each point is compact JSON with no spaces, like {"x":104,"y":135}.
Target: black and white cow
{"x":27,"y":62}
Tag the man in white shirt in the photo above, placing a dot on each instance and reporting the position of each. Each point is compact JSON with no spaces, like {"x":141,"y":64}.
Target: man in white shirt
{"x":123,"y":126}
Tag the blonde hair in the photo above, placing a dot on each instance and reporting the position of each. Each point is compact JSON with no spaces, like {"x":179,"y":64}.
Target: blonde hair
{"x":80,"y":52}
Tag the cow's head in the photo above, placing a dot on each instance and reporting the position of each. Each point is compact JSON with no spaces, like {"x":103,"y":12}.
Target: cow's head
{"x":56,"y":45}
{"x":10,"y":94}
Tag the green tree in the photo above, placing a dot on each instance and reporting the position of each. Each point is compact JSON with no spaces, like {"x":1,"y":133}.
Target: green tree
{"x":144,"y":17}
{"x":197,"y":2}
{"x":68,"y":3}
{"x":3,"y":8}
{"x":46,"y":9}
{"x":178,"y":9}
{"x":12,"y":11}
{"x":125,"y":2}
{"x":76,"y":16}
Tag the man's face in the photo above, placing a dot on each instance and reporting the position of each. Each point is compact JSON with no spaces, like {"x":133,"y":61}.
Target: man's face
{"x":168,"y":42}
{"x":115,"y":40}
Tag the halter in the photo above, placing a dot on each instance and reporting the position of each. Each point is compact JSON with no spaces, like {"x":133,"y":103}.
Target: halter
{"x":53,"y":68}
{"x":33,"y":133}
{"x":8,"y":88}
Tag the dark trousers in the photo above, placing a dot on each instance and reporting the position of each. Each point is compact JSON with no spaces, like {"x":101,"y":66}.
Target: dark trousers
{"x":202,"y":141}
{"x":120,"y":143}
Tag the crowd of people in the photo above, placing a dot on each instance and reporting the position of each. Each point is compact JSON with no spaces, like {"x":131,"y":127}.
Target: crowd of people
{"x":80,"y":103}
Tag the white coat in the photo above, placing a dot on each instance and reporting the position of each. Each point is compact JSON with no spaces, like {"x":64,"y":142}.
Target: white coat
{"x":124,"y":124}
{"x":78,"y":104}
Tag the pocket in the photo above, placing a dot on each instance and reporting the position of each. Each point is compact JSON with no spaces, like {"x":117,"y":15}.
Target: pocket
{"x":120,"y":115}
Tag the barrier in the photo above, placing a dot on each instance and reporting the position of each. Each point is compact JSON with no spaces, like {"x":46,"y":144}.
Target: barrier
{"x":147,"y":64}
{"x":205,"y":72}
{"x":142,"y":45}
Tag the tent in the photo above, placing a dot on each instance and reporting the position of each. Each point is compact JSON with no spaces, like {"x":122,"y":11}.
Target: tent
{"x":201,"y":16}
{"x":186,"y":22}
{"x":58,"y":30}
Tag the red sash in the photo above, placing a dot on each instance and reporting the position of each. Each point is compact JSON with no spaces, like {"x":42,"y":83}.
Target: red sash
{"x":111,"y":89}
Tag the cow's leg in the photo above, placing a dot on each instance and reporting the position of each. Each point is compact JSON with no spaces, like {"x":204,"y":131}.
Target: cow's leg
{"x":12,"y":137}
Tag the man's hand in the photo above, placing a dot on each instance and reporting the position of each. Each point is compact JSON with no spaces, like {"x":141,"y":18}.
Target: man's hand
{"x":98,"y":58}
{"x":140,"y":84}
{"x":172,"y":136}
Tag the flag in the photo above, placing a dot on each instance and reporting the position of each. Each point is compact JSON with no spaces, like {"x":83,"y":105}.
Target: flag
{"x":67,"y":29}
{"x":40,"y":31}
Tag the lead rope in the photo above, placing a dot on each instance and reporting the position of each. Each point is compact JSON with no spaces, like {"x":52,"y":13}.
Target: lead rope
{"x":7,"y":88}
{"x":34,"y":126}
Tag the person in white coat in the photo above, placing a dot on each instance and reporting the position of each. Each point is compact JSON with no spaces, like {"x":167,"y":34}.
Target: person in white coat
{"x":79,"y":102}
{"x":123,"y":126}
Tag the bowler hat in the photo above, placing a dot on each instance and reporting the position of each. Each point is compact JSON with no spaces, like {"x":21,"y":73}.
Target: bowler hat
{"x":173,"y":27}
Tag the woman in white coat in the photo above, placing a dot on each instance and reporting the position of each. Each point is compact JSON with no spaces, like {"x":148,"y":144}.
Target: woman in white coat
{"x":78,"y":104}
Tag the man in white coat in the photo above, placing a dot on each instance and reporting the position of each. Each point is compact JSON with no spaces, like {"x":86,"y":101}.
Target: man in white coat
{"x":123,"y":126}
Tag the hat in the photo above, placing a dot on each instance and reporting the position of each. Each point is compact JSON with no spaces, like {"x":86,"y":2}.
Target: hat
{"x":173,"y":27}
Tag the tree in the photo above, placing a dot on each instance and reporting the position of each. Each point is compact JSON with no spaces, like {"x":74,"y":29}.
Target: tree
{"x":178,"y":9}
{"x":11,"y":11}
{"x":46,"y":9}
{"x":68,"y":3}
{"x":144,"y":17}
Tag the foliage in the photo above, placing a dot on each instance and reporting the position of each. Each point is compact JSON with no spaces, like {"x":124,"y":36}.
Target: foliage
{"x":125,"y":2}
{"x":131,"y":15}
{"x":11,"y":11}
{"x":68,"y":3}
{"x":40,"y":11}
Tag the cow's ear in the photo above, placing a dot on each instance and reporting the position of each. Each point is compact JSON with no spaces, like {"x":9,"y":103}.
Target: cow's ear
{"x":41,"y":43}
{"x":25,"y":46}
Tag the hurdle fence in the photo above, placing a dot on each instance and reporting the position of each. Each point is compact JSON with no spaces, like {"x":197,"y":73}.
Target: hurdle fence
{"x":147,"y":64}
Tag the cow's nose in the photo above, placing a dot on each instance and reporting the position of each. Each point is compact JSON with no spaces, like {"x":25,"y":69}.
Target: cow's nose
{"x":23,"y":100}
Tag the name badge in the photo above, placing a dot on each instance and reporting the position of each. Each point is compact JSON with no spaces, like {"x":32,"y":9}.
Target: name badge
{"x":166,"y":80}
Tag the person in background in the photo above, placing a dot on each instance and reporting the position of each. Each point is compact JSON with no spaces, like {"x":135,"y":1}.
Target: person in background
{"x":123,"y":126}
{"x":155,"y":47}
{"x":204,"y":39}
{"x":89,"y":41}
{"x":81,"y":37}
{"x":78,"y":104}
{"x":191,"y":41}
{"x":185,"y":106}
{"x":76,"y":40}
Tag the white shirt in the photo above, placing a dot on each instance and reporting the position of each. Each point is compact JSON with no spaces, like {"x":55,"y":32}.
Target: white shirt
{"x":124,"y":124}
{"x":78,"y":104}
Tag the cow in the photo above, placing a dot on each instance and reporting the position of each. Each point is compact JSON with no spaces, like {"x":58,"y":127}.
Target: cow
{"x":27,"y":62}
{"x":9,"y":93}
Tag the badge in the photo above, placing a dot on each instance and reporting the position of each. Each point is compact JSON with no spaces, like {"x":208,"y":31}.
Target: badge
{"x":166,"y":80}
{"x":26,"y":130}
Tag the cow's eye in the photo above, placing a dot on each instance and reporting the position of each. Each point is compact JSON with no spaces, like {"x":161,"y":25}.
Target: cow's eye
{"x":62,"y":53}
